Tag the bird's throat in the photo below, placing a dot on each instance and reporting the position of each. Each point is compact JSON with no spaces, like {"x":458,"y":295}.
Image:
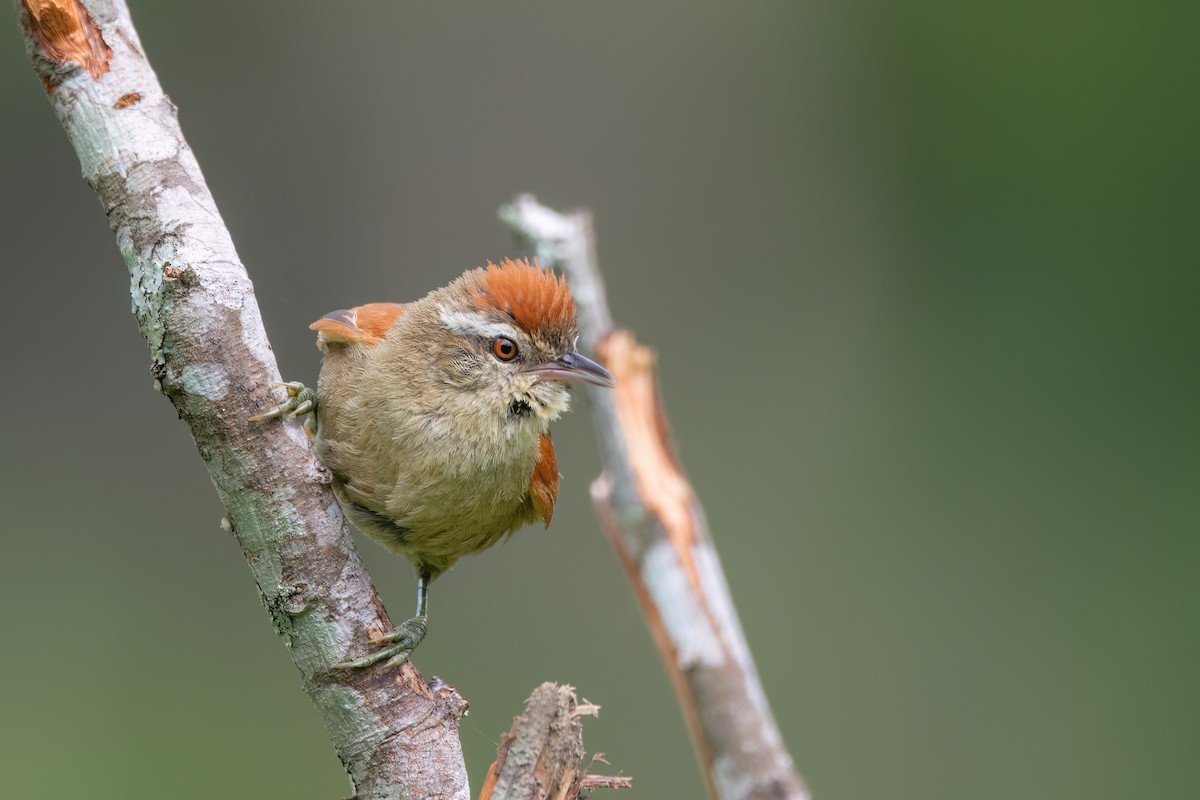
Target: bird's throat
{"x":519,"y":408}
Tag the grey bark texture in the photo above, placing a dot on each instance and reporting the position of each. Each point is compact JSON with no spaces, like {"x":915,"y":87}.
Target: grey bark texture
{"x":396,"y":735}
{"x":658,"y":530}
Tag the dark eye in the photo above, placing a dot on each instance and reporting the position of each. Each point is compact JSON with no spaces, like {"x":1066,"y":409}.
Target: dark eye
{"x":504,"y":349}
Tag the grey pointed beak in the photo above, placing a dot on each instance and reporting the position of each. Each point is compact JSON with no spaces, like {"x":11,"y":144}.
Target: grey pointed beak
{"x":573,"y":367}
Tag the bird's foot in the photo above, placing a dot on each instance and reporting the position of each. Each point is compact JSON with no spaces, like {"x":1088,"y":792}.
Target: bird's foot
{"x":301,"y":400}
{"x":402,"y":641}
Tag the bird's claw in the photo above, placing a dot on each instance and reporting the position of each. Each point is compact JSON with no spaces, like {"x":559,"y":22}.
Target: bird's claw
{"x":403,"y":640}
{"x":301,"y":400}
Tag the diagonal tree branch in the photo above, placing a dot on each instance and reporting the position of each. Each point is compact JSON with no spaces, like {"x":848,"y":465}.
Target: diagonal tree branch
{"x":658,"y":530}
{"x":396,"y":736}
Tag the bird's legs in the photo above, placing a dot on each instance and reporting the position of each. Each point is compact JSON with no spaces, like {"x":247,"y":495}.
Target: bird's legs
{"x":301,"y":400}
{"x":404,"y":639}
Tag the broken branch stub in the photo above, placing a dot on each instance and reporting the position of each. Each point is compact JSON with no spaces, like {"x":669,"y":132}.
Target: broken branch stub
{"x":541,"y":757}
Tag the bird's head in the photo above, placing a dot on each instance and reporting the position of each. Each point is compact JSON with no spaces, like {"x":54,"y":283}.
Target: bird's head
{"x":509,"y":336}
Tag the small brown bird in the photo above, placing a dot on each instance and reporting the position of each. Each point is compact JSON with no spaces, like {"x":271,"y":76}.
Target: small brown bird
{"x":433,"y":417}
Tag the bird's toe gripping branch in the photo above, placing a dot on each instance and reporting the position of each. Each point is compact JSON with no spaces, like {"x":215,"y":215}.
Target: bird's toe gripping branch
{"x":403,"y":640}
{"x":301,"y":400}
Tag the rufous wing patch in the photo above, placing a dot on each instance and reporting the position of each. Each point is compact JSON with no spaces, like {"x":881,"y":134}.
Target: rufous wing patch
{"x":543,"y":489}
{"x":359,"y":325}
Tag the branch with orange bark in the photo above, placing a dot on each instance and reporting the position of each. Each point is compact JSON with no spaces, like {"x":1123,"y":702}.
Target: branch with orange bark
{"x":658,"y":530}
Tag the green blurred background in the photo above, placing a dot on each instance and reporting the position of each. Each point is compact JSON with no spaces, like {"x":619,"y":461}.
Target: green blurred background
{"x":923,"y":280}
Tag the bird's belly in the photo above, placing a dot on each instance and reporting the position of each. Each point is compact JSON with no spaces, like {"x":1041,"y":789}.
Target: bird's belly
{"x":457,"y":517}
{"x":436,"y":490}
{"x":434,"y":514}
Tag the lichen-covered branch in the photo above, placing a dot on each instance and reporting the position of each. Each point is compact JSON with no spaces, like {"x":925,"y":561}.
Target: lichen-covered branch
{"x":659,"y":532}
{"x":541,"y":756}
{"x":396,"y":736}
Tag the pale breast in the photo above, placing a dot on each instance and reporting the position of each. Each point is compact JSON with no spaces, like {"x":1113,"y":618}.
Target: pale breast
{"x":439,"y":490}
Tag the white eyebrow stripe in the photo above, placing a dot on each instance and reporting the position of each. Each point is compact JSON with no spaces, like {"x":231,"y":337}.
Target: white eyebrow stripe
{"x":472,"y":324}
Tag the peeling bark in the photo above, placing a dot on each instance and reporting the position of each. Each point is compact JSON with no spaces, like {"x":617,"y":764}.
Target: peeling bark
{"x":66,"y":35}
{"x":658,"y":530}
{"x":396,"y":735}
